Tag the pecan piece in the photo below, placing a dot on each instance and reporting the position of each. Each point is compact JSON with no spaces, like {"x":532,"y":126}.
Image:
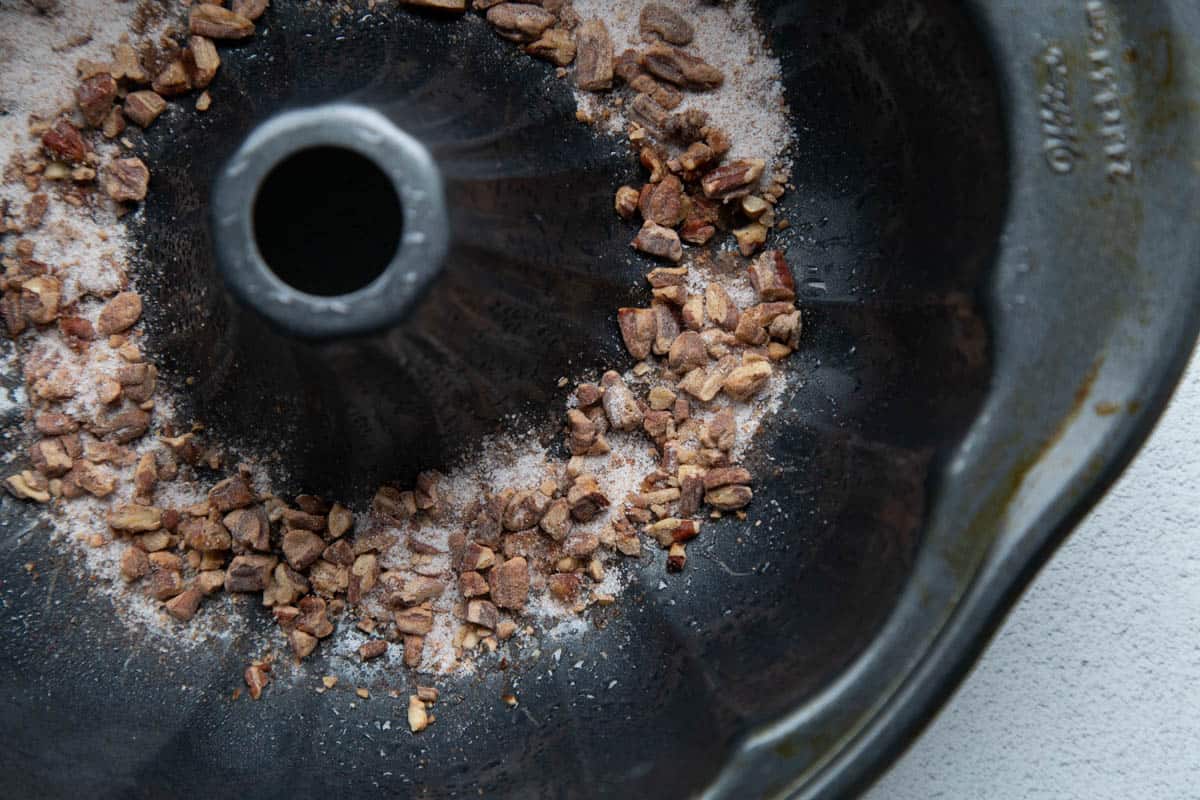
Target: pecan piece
{"x":786,"y":328}
{"x":668,"y":97}
{"x":132,"y":518}
{"x":250,"y":528}
{"x":249,"y":573}
{"x":302,"y":548}
{"x":585,"y":498}
{"x":705,"y":384}
{"x":63,"y":141}
{"x":172,"y":80}
{"x":638,"y":328}
{"x":626,"y":202}
{"x":525,"y":510}
{"x":510,"y":583}
{"x":95,"y":98}
{"x":664,"y":202}
{"x":483,"y":612}
{"x":253,"y":9}
{"x":256,"y":680}
{"x":126,"y":180}
{"x":747,"y":380}
{"x":134,"y":564}
{"x":687,"y":353}
{"x":564,"y":587}
{"x":594,"y":56}
{"x":660,"y":21}
{"x":201,"y":61}
{"x":414,"y":621}
{"x":666,"y":328}
{"x":216,"y":22}
{"x":233,"y":492}
{"x":655,"y":240}
{"x":732,"y":180}
{"x":771,"y":278}
{"x":729,"y":498}
{"x":555,"y":46}
{"x":750,"y":238}
{"x":185,"y":604}
{"x":472,"y":584}
{"x":620,"y":406}
{"x":143,"y":107}
{"x":720,"y":307}
{"x":372,"y":649}
{"x":680,"y":68}
{"x":520,"y":22}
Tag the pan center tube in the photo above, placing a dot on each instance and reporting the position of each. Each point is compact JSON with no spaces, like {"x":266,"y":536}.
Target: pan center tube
{"x":330,"y":221}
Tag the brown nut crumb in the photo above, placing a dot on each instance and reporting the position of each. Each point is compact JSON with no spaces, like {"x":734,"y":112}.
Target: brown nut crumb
{"x":132,"y":518}
{"x":414,"y":621}
{"x":750,"y":237}
{"x":63,"y":141}
{"x":556,"y":522}
{"x":620,"y":406}
{"x":626,"y":202}
{"x":216,"y":22}
{"x":520,"y":22}
{"x":95,"y":98}
{"x":555,"y":46}
{"x":172,"y":80}
{"x":733,"y":180}
{"x":202,"y":61}
{"x":126,"y":179}
{"x":586,"y":498}
{"x":594,"y":56}
{"x":472,"y":584}
{"x":144,"y":107}
{"x":185,"y":604}
{"x":747,"y":380}
{"x":510,"y":583}
{"x":414,"y":646}
{"x":663,"y":203}
{"x":134,"y":564}
{"x":638,"y":327}
{"x":658,"y":20}
{"x":256,"y":679}
{"x":418,"y":719}
{"x":771,"y":278}
{"x":476,"y":557}
{"x":687,"y":352}
{"x":372,"y":649}
{"x":676,"y":558}
{"x":250,"y":573}
{"x":484,"y":613}
{"x":680,"y":68}
{"x":729,"y":498}
{"x":253,"y":9}
{"x":303,"y":644}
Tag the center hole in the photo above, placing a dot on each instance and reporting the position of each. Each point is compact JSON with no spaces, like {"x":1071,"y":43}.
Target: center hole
{"x":327,"y":221}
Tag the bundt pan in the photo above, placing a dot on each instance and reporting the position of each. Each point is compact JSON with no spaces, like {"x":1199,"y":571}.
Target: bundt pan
{"x":995,"y":233}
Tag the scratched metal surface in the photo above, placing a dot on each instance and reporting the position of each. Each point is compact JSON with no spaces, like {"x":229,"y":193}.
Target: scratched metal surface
{"x":960,"y":290}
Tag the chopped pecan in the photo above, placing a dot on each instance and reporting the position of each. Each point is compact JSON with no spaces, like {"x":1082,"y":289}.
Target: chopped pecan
{"x":233,"y":492}
{"x":413,"y":647}
{"x":286,"y":587}
{"x":581,"y":544}
{"x":201,"y":61}
{"x":638,"y":328}
{"x":666,"y":328}
{"x":510,"y":583}
{"x":732,"y":180}
{"x":132,"y":518}
{"x":705,"y":384}
{"x":341,"y":519}
{"x":418,"y":590}
{"x":363,"y":575}
{"x":63,"y":141}
{"x":620,"y":406}
{"x":786,"y":328}
{"x":525,"y":510}
{"x":372,"y":649}
{"x":172,"y":80}
{"x":418,"y":718}
{"x":134,"y":564}
{"x":126,"y":179}
{"x":302,"y":548}
{"x":313,"y":618}
{"x":483,"y":612}
{"x":586,"y":498}
{"x":143,"y":107}
{"x":661,"y":21}
{"x":664,"y":202}
{"x":303,"y":644}
{"x":472,"y":584}
{"x":253,"y":9}
{"x":626,"y":202}
{"x":340,"y":553}
{"x":414,"y":621}
{"x":250,"y":528}
{"x":676,"y":558}
{"x":250,"y":573}
{"x":692,"y":312}
{"x":654,"y":161}
{"x":720,"y":307}
{"x":680,"y":68}
{"x":391,"y":502}
{"x":720,"y":431}
{"x":476,"y":557}
{"x":557,"y":520}
{"x":750,"y":237}
{"x":216,"y":22}
{"x":521,"y":22}
{"x":555,"y":46}
{"x":594,"y":56}
{"x":185,"y":604}
{"x":126,"y":64}
{"x":564,"y":587}
{"x":724,"y":476}
{"x":687,"y":352}
{"x":582,"y":433}
{"x":747,"y":380}
{"x":771,"y":278}
{"x":655,"y":240}
{"x":256,"y":680}
{"x":95,"y":98}
{"x":667,"y":97}
{"x":645,"y":110}
{"x":729,"y":498}
{"x":752,"y":326}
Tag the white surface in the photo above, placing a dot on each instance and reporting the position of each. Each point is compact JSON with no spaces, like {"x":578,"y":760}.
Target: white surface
{"x":1091,"y":689}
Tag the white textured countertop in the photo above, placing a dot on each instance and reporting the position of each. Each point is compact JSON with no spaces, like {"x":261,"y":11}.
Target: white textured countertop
{"x":1091,"y":689}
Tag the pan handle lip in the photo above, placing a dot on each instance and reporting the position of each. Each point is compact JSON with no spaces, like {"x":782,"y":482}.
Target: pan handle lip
{"x":804,"y":755}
